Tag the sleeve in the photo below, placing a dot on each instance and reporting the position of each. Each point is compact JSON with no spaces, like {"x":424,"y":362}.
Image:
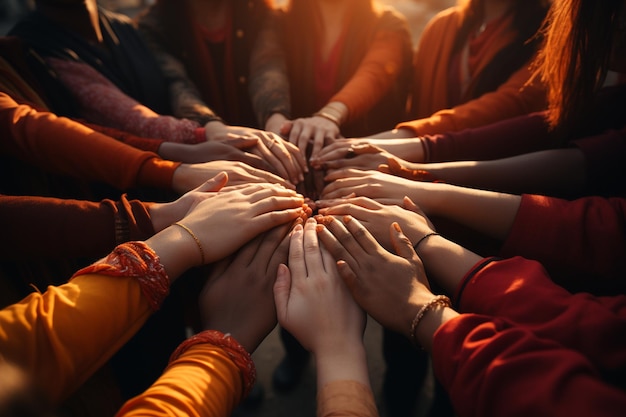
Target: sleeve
{"x":589,"y":234}
{"x":521,"y":291}
{"x":203,"y":381}
{"x":347,"y":399}
{"x":492,"y":367}
{"x":269,"y":83}
{"x":69,"y":228}
{"x":60,"y":145}
{"x":510,"y":137}
{"x":61,"y":337}
{"x":513,"y":98}
{"x":145,"y":144}
{"x":103,"y":103}
{"x":186,"y":100}
{"x":383,"y":63}
{"x":605,"y":155}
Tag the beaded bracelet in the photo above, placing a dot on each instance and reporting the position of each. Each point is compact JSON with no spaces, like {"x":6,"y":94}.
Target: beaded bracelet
{"x":135,"y":260}
{"x":438,"y":300}
{"x":240,"y":357}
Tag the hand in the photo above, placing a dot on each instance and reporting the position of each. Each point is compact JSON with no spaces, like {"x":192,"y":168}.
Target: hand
{"x":409,"y":170}
{"x":231,"y":149}
{"x":312,"y":302}
{"x":346,"y":154}
{"x":376,"y":217}
{"x":164,"y":214}
{"x":238,"y":297}
{"x":218,"y":131}
{"x":391,"y":288}
{"x":284,"y":157}
{"x":372,"y":184}
{"x":187,"y":177}
{"x":305,"y":130}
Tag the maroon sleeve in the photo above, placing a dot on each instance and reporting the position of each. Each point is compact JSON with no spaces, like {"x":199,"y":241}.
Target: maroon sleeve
{"x":491,"y":367}
{"x":145,"y":144}
{"x":582,"y":243}
{"x":605,"y":156}
{"x":502,"y":139}
{"x":528,"y":347}
{"x":43,"y":228}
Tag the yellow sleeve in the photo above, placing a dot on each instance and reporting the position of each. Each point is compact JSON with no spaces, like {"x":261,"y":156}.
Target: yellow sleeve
{"x":346,"y":399}
{"x":203,"y":381}
{"x":61,"y":337}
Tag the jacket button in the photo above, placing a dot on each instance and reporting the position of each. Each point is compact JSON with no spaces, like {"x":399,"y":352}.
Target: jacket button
{"x":239,"y":33}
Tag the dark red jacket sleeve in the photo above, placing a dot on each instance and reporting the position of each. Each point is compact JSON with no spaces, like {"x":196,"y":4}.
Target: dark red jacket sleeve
{"x":42,"y":228}
{"x":528,"y":347}
{"x":582,"y":243}
{"x":510,"y":137}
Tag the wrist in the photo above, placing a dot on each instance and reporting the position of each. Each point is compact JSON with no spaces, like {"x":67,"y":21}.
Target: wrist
{"x":177,"y":250}
{"x":344,"y":362}
{"x":334,"y":111}
{"x":430,"y":323}
{"x":213,"y":127}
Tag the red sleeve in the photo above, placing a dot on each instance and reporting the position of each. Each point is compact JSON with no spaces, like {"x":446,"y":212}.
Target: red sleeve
{"x":588,"y":234}
{"x":523,"y":134}
{"x":491,"y":367}
{"x":146,"y":144}
{"x":68,"y":228}
{"x":529,"y":347}
{"x":379,"y":69}
{"x":60,"y":145}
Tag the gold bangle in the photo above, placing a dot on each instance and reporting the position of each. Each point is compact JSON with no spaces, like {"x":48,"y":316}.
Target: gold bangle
{"x":438,"y":300}
{"x":188,"y":230}
{"x":328,"y":116}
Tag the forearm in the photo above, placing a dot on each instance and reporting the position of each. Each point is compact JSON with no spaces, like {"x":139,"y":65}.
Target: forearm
{"x":488,"y":212}
{"x":401,"y":133}
{"x":560,"y":171}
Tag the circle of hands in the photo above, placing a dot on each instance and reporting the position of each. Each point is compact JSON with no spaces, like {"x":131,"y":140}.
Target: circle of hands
{"x":272,"y":259}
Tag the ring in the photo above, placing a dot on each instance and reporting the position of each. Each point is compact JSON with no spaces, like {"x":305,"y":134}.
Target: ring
{"x":350,"y":153}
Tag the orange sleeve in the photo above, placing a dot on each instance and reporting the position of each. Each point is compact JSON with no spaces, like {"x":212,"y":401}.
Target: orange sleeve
{"x":513,"y":98}
{"x":203,"y":381}
{"x":61,"y":337}
{"x":381,"y":66}
{"x":60,"y":145}
{"x":347,"y":399}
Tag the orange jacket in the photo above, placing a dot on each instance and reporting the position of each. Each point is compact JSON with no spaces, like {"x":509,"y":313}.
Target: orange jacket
{"x":430,"y":84}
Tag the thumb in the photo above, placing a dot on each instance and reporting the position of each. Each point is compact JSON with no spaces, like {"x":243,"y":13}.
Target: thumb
{"x":401,"y":244}
{"x":286,"y":128}
{"x":282,"y":288}
{"x":214,"y":184}
{"x":394,"y":166}
{"x":366,"y":148}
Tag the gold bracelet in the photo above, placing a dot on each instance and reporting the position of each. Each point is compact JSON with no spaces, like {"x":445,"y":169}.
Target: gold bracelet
{"x":438,"y":300}
{"x":327,"y":116}
{"x":188,"y":230}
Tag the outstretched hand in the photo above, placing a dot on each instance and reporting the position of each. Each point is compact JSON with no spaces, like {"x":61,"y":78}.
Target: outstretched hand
{"x":238,"y":297}
{"x":312,"y":302}
{"x":391,"y":288}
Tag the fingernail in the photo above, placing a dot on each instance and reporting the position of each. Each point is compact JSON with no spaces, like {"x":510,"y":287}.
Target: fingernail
{"x":397,"y":227}
{"x":347,"y":219}
{"x":319,"y":228}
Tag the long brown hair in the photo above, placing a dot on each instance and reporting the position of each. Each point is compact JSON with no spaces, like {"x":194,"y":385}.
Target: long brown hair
{"x":575,"y":56}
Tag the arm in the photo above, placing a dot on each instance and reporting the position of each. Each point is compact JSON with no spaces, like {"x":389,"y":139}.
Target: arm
{"x":103,"y":103}
{"x":513,"y":98}
{"x":70,"y":228}
{"x":82,"y":323}
{"x":307,"y":294}
{"x":63,"y":146}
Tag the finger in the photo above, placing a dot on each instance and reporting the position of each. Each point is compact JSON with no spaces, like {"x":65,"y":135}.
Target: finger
{"x":271,"y":195}
{"x":214,"y":184}
{"x":318,"y":142}
{"x":327,"y":259}
{"x":297,"y":264}
{"x":243,"y":142}
{"x":281,"y":251}
{"x":343,"y":163}
{"x":254,"y":161}
{"x":247,"y":253}
{"x":361,"y":235}
{"x":334,"y":246}
{"x":268,"y":220}
{"x":297,"y":155}
{"x":312,"y":254}
{"x":304,"y":137}
{"x":285,"y":129}
{"x":384,"y":168}
{"x":339,"y":229}
{"x":264,"y":176}
{"x":269,"y":156}
{"x":366,"y":148}
{"x":401,"y":244}
{"x":347,"y":274}
{"x":345,"y":173}
{"x":282,"y":288}
{"x":289,"y":163}
{"x":294,"y":134}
